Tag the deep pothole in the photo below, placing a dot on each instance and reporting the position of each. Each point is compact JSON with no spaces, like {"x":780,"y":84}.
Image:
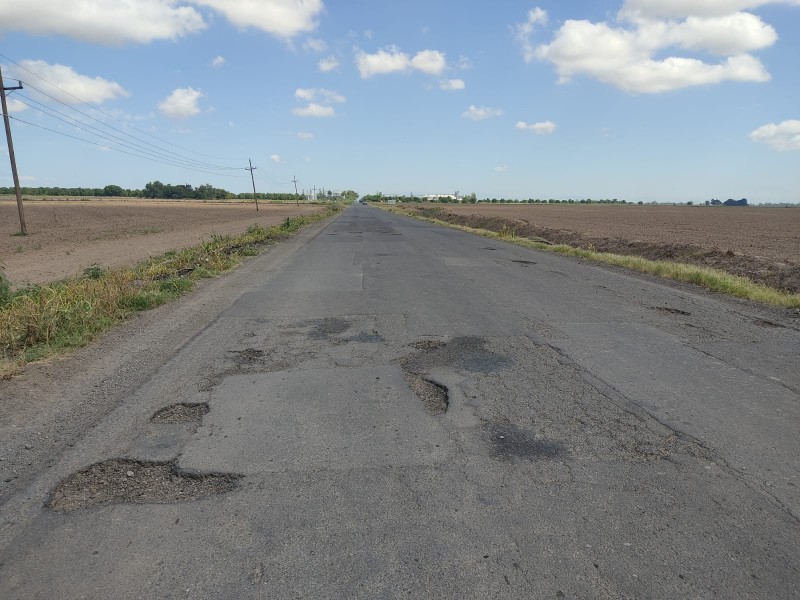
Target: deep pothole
{"x":181,"y":413}
{"x":126,"y":481}
{"x":433,"y":395}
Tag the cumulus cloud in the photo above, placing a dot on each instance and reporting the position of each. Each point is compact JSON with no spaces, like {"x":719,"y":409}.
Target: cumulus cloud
{"x":318,"y":94}
{"x":281,"y":18}
{"x":319,"y":102}
{"x":479,"y":113}
{"x":276,"y":158}
{"x":393,"y":60}
{"x":73,"y":85}
{"x":501,"y":169}
{"x":390,"y":60}
{"x":452,"y":85}
{"x":627,"y":54}
{"x":109,"y":22}
{"x":305,"y":135}
{"x":781,"y":136}
{"x":431,"y":62}
{"x":543,"y":128}
{"x":326,"y":65}
{"x":313,"y":109}
{"x":218,"y":62}
{"x":182,"y":103}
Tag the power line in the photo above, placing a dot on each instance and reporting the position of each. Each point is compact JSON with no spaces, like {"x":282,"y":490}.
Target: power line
{"x":100,"y":110}
{"x":196,"y":163}
{"x":121,"y":151}
{"x":113,"y":138}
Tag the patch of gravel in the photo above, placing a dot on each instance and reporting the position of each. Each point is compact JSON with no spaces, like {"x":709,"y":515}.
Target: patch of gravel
{"x":181,"y":413}
{"x":433,"y":396}
{"x":125,"y":481}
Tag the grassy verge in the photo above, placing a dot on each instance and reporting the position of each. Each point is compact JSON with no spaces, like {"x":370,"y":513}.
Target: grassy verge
{"x":711,"y":279}
{"x":44,"y":320}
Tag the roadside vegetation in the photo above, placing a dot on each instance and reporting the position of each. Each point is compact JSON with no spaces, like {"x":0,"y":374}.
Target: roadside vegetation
{"x":40,"y":321}
{"x":711,"y":279}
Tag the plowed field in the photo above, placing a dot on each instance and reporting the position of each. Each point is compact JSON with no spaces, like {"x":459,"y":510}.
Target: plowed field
{"x":65,"y":237}
{"x":760,"y":243}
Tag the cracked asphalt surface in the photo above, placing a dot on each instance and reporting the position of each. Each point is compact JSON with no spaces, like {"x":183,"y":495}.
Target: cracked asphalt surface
{"x":605,"y":436}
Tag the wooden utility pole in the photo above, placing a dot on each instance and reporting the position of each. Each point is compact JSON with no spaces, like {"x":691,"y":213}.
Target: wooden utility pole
{"x":296,"y":195}
{"x":22,"y":227}
{"x":251,"y":169}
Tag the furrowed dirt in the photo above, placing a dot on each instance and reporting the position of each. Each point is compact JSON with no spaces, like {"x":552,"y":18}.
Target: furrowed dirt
{"x":762,"y":244}
{"x":66,"y":237}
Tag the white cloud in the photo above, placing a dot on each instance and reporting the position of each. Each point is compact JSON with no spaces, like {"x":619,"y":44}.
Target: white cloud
{"x":393,"y":60}
{"x":108,"y":22}
{"x":218,"y":62}
{"x":15,"y":106}
{"x":181,"y":103}
{"x":276,"y":158}
{"x":305,"y":135}
{"x":452,"y":85}
{"x":501,"y":169}
{"x":431,"y":62}
{"x":479,"y":113}
{"x":685,"y":8}
{"x":543,"y":128}
{"x":318,"y":94}
{"x":326,"y":65}
{"x":781,"y":136}
{"x":628,"y":54}
{"x":89,"y":89}
{"x":523,"y":31}
{"x":390,"y":60}
{"x":281,"y":18}
{"x":315,"y":45}
{"x":314,"y":110}
{"x":319,"y":102}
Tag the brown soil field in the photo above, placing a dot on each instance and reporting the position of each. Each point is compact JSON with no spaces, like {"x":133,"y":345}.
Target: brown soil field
{"x":760,"y":243}
{"x":67,"y":236}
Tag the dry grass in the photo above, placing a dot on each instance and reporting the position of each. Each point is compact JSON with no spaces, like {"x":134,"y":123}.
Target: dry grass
{"x":44,"y":320}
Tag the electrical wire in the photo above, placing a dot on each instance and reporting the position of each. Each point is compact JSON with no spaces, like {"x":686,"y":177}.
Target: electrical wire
{"x":121,"y":151}
{"x":110,"y":115}
{"x":114,"y":138}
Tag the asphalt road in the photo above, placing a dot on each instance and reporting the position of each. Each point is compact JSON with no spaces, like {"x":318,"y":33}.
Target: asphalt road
{"x":417,"y":412}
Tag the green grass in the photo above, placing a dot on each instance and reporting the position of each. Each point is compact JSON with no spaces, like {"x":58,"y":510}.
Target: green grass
{"x":40,"y":321}
{"x":711,"y":279}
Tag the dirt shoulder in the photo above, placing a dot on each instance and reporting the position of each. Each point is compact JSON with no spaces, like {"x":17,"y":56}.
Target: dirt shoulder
{"x":761,"y":244}
{"x":65,"y":237}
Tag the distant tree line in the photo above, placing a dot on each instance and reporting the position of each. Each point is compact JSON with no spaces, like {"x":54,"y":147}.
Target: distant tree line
{"x":472,"y":199}
{"x":166,"y":191}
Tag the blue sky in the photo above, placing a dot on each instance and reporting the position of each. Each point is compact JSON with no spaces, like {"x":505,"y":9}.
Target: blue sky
{"x":666,"y":100}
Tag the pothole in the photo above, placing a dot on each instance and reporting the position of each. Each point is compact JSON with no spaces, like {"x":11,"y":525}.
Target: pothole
{"x":125,"y":481}
{"x":524,"y":263}
{"x":427,"y":344}
{"x":467,"y":353}
{"x":509,"y":440}
{"x":324,"y":328}
{"x":434,"y":396}
{"x":248,"y":356}
{"x":671,"y":311}
{"x":181,"y":413}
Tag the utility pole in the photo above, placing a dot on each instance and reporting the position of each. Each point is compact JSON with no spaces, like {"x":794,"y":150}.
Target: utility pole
{"x":22,"y":227}
{"x":251,"y":169}
{"x":314,"y":194}
{"x":296,"y":195}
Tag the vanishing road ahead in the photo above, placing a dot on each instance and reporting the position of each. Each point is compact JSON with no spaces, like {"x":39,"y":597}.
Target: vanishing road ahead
{"x":398,"y":410}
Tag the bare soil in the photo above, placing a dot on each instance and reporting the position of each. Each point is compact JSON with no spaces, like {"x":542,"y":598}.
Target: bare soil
{"x":67,"y":236}
{"x":760,"y":243}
